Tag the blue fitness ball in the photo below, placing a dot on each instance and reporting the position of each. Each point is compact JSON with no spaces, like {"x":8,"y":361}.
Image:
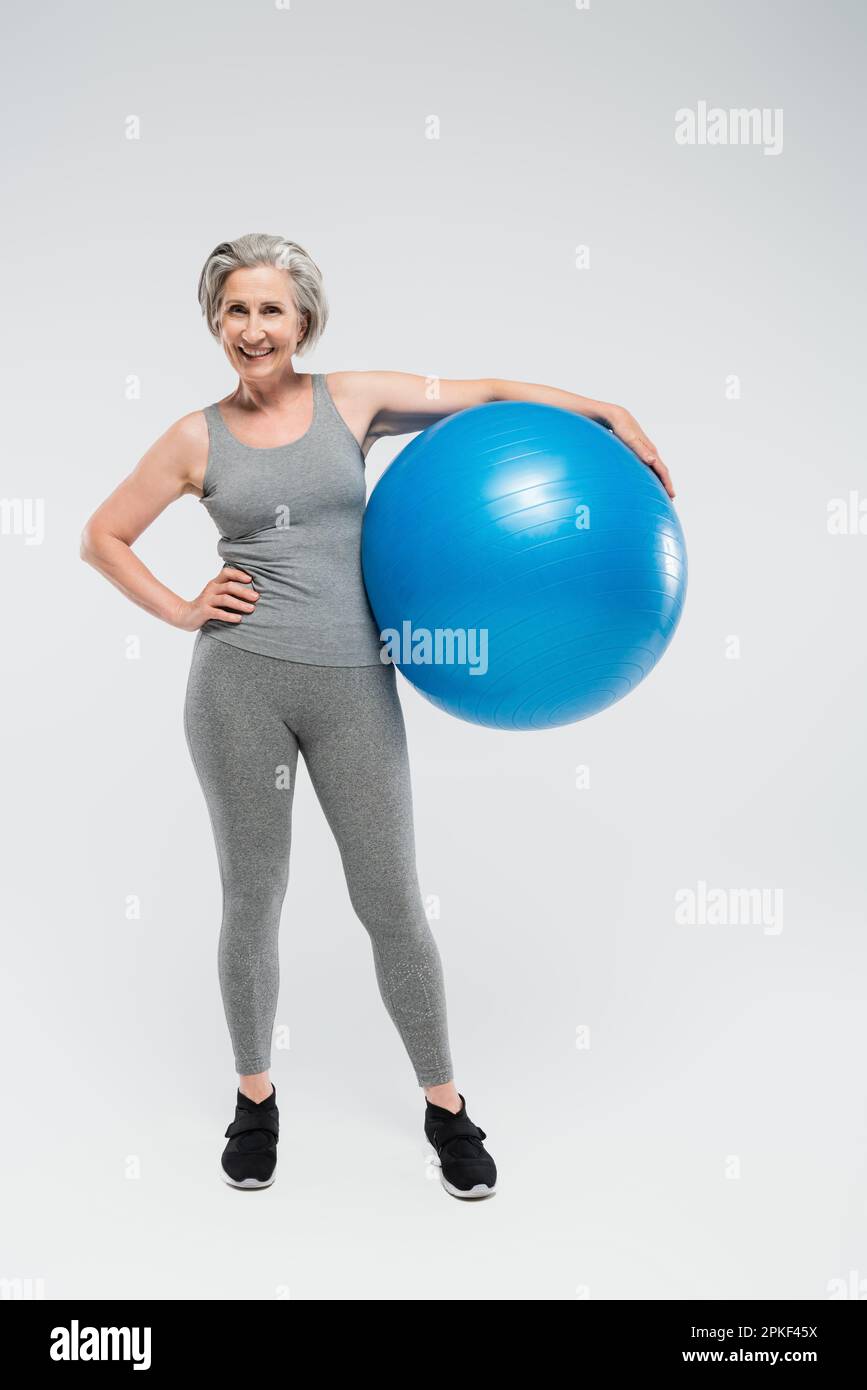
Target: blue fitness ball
{"x":524,"y":567}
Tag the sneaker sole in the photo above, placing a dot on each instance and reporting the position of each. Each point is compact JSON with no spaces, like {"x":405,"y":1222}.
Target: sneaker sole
{"x":481,"y":1189}
{"x":245,"y":1182}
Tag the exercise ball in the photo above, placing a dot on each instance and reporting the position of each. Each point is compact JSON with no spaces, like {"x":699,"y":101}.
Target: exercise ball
{"x":524,"y":567}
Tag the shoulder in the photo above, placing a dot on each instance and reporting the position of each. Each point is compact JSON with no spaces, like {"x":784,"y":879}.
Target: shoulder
{"x":390,"y":389}
{"x":369,"y":388}
{"x":190,"y":433}
{"x":191,"y":428}
{"x":364,"y":399}
{"x":183,"y":449}
{"x":348,"y":386}
{"x":355,"y":396}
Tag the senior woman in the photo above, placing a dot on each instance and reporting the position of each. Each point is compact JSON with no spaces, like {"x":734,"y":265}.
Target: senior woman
{"x":288,"y":659}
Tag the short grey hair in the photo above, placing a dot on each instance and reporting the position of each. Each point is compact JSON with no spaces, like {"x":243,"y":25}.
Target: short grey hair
{"x":258,"y":248}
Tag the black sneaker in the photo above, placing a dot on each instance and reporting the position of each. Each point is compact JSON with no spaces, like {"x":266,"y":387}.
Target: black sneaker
{"x":250,"y":1157}
{"x":466,"y":1167}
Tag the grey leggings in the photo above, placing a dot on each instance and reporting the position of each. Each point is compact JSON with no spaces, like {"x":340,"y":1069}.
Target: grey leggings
{"x":245,"y":717}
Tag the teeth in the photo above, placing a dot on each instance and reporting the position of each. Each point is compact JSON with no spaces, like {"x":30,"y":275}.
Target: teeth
{"x":266,"y":353}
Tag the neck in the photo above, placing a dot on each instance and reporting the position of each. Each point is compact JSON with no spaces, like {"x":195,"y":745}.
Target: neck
{"x":270,"y":396}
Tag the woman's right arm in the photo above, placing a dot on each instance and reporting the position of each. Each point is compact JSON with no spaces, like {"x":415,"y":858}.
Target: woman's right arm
{"x":165,"y":473}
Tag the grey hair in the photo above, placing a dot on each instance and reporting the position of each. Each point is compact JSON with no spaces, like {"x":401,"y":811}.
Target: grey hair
{"x":258,"y":248}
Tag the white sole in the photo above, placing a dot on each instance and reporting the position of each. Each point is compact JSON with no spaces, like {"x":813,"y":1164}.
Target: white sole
{"x":245,"y":1182}
{"x":481,"y":1189}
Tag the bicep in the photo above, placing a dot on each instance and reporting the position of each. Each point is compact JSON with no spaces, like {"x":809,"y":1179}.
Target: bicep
{"x":161,"y":476}
{"x":402,"y":402}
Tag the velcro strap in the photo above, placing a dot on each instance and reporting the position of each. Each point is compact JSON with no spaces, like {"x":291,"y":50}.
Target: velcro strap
{"x":247,"y":1121}
{"x":458,"y":1129}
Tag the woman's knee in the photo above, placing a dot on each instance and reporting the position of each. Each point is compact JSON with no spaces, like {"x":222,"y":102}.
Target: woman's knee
{"x":254,"y":905}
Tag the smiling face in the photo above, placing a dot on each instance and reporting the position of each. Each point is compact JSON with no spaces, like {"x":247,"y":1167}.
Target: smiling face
{"x":259,"y":323}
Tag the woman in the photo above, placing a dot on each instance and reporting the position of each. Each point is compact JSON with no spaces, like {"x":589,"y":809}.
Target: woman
{"x":287,"y":659}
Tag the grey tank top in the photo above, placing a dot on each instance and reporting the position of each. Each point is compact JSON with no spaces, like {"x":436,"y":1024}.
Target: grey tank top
{"x":290,"y":516}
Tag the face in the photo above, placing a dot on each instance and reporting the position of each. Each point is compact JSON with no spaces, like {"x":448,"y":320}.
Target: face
{"x":259,"y":323}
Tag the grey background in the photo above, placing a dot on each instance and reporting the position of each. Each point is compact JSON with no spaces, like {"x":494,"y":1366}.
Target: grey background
{"x":710,"y":1142}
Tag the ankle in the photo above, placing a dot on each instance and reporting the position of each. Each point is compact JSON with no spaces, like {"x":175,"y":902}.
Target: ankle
{"x":256,"y":1088}
{"x":445,"y":1096}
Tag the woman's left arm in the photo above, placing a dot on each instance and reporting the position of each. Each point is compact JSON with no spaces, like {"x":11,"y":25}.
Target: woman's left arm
{"x":401,"y":402}
{"x":624,"y":425}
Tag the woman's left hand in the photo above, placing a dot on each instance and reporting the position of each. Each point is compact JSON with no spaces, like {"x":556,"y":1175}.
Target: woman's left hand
{"x":627,"y":428}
